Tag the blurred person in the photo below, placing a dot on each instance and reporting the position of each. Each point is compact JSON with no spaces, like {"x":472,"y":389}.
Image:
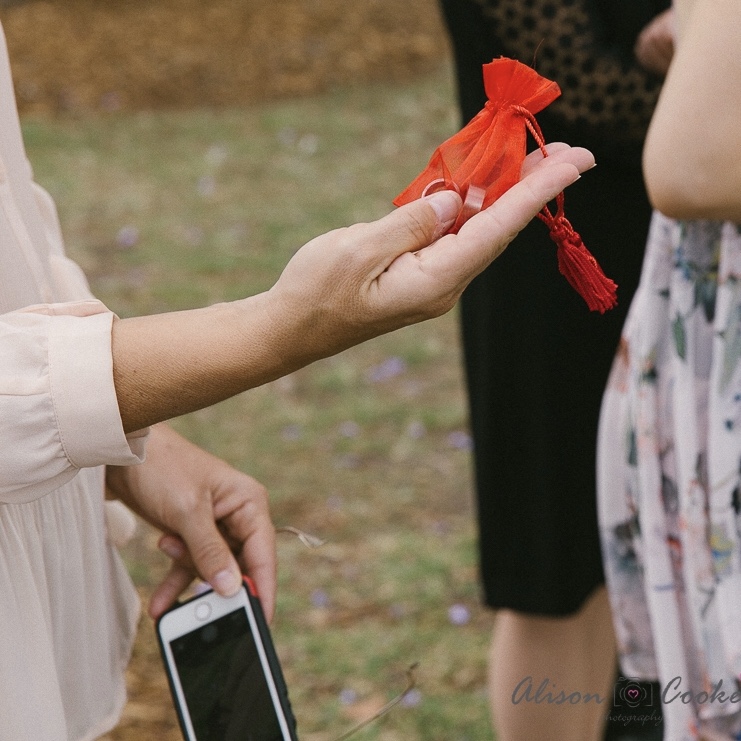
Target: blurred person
{"x":79,"y":388}
{"x":670,"y":437}
{"x":537,"y":360}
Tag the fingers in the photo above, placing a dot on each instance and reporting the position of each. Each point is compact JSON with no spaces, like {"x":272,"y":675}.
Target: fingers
{"x":542,"y":179}
{"x":581,"y":158}
{"x":244,"y":530}
{"x":418,"y":224}
{"x":413,"y":226}
{"x":536,"y":156}
{"x":654,"y":47}
{"x":205,"y":553}
{"x":446,"y":205}
{"x":210,"y":553}
{"x":516,"y":207}
{"x":178,"y":579}
{"x":258,"y":554}
{"x":484,"y":236}
{"x":243,"y":514}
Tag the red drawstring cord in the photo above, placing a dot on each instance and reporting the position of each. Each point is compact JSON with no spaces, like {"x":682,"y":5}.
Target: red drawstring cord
{"x":575,"y":262}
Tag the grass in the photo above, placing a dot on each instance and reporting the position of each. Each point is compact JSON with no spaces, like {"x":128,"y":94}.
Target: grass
{"x":368,"y":450}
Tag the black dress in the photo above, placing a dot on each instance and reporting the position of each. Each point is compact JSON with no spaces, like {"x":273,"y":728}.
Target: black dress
{"x":536,"y":358}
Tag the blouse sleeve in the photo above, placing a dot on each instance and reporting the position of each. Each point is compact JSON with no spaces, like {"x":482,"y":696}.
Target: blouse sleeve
{"x":58,"y":406}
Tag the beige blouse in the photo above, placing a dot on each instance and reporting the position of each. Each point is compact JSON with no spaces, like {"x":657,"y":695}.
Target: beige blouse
{"x":68,"y":610}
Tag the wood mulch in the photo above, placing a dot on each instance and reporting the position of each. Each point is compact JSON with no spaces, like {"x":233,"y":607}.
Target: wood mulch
{"x":82,"y":55}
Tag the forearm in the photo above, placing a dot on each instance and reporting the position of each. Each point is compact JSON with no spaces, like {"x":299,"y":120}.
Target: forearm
{"x":691,"y":160}
{"x":170,"y":364}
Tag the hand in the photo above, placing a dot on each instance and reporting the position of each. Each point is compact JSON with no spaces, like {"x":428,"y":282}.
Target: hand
{"x":215,"y":519}
{"x":356,"y":283}
{"x":338,"y":290}
{"x":654,"y":47}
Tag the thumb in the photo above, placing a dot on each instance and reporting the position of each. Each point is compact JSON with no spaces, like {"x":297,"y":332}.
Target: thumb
{"x":417,"y":224}
{"x":446,"y":205}
{"x":211,"y":555}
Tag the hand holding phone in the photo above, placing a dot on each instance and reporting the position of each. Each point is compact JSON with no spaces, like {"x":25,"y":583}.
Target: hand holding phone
{"x":224,"y":674}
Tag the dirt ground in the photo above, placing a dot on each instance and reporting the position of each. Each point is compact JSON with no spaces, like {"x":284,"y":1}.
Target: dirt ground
{"x":82,"y":55}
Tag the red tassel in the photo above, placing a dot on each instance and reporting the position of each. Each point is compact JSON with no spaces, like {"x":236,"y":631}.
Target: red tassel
{"x":577,"y":264}
{"x":484,"y":159}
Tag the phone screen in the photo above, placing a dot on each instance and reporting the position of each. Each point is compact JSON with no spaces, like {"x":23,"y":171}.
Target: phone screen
{"x":223,"y":682}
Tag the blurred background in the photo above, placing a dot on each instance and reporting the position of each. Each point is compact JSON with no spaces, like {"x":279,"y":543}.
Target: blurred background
{"x":81,"y":55}
{"x":191,"y":148}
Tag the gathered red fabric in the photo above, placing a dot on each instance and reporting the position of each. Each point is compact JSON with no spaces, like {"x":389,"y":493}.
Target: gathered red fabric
{"x":484,"y":159}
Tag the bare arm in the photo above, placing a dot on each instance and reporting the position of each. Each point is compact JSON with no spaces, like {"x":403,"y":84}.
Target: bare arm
{"x":692,"y":158}
{"x":338,"y":290}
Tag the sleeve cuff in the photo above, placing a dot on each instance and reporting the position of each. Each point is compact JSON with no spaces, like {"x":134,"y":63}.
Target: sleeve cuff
{"x":85,"y":403}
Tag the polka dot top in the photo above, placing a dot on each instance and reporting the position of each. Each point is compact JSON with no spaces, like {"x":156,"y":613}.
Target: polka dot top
{"x":587,"y":47}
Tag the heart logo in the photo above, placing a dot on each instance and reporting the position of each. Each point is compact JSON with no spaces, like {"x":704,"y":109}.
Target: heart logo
{"x":633,"y":694}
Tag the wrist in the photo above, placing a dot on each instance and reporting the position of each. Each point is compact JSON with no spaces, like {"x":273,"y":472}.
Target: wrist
{"x":278,"y":336}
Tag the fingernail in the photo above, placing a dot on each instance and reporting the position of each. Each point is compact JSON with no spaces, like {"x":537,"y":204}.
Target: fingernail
{"x":225,"y":583}
{"x":446,"y":204}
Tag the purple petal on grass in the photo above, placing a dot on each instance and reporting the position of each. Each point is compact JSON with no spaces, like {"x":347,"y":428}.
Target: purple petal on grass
{"x":193,"y":235}
{"x":319,"y":598}
{"x":347,"y":461}
{"x":440,"y":527}
{"x":216,"y":155}
{"x":350,"y":571}
{"x":348,"y":696}
{"x":460,"y":440}
{"x":397,"y":610}
{"x":206,"y":186}
{"x":127,"y":237}
{"x":308,"y":144}
{"x":389,"y":368}
{"x":412,"y":698}
{"x":136,"y":278}
{"x":237,"y":232}
{"x":287,"y":136}
{"x":458,"y":614}
{"x":110,"y":101}
{"x":334,"y":502}
{"x":349,"y":429}
{"x":291,"y":432}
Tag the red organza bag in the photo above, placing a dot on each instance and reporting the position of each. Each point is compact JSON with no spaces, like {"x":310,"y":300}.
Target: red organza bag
{"x":484,"y":159}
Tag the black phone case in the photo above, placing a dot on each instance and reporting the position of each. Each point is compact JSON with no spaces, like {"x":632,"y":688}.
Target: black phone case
{"x":273,"y":662}
{"x":267,"y":643}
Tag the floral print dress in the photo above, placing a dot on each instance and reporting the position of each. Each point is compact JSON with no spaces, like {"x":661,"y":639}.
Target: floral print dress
{"x":669,"y":479}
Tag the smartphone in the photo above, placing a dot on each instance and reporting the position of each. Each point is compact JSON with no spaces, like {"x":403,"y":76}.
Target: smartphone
{"x":225,"y":678}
